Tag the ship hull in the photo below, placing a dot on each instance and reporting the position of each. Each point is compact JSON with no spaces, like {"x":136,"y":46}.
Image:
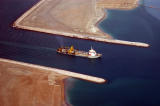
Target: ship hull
{"x":93,"y":57}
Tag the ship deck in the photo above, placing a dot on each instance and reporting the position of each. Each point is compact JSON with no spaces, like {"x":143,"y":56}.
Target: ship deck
{"x":78,"y":53}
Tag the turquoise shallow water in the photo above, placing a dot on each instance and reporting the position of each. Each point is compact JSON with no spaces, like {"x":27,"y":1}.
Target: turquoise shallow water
{"x":133,"y":72}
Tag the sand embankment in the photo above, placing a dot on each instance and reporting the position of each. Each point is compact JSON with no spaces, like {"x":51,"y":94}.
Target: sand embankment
{"x":73,"y":18}
{"x":58,"y":71}
{"x":88,"y":37}
{"x":23,"y":84}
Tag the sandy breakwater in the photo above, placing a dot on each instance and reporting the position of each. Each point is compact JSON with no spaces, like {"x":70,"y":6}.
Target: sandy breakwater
{"x":58,"y":71}
{"x":88,"y":37}
{"x":34,"y":20}
{"x":23,"y":84}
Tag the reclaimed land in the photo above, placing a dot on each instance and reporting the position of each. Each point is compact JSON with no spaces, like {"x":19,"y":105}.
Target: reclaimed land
{"x":117,"y":4}
{"x":74,"y":18}
{"x":23,"y":84}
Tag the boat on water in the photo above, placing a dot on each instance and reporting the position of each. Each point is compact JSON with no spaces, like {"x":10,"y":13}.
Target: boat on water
{"x":74,"y":52}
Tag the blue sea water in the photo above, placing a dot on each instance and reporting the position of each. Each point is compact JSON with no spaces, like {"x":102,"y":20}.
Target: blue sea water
{"x":133,"y":72}
{"x":152,"y":11}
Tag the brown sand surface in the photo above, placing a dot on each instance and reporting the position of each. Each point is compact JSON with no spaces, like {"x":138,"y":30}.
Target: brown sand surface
{"x":65,"y":17}
{"x":117,"y":4}
{"x":70,"y":17}
{"x":74,"y":18}
{"x":25,"y":86}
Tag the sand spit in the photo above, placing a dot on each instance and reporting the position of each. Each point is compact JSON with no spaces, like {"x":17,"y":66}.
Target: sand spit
{"x":72,"y":18}
{"x":23,"y":84}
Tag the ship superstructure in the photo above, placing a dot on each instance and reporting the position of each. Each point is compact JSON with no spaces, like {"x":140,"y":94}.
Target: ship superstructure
{"x":74,"y":52}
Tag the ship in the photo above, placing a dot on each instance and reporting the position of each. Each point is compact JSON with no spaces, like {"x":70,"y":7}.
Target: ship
{"x":74,"y":52}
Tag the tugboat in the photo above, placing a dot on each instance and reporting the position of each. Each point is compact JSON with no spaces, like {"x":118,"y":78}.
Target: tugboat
{"x":74,"y":52}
